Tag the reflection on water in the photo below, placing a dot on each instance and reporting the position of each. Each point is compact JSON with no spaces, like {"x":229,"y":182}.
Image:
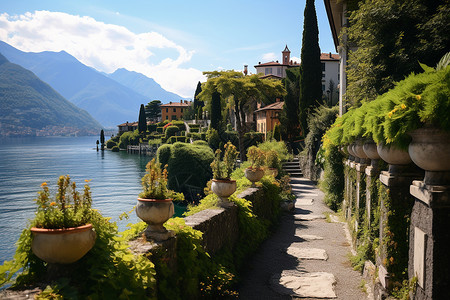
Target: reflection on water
{"x":27,"y":162}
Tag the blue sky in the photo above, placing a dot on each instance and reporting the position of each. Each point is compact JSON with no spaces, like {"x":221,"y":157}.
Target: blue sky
{"x":171,"y":41}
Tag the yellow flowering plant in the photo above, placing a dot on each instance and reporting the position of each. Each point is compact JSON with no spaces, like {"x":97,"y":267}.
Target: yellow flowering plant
{"x":256,"y":157}
{"x":67,"y":208}
{"x":223,"y":169}
{"x":154,"y":182}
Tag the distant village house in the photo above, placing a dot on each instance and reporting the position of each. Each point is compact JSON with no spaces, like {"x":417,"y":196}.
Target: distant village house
{"x":174,"y":110}
{"x":267,"y":117}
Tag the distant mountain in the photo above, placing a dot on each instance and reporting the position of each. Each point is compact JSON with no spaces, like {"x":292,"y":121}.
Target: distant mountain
{"x":108,"y":101}
{"x":27,"y":105}
{"x":144,"y":86}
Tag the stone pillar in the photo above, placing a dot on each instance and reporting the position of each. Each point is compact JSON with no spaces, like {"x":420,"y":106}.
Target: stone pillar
{"x":372,"y":173}
{"x":395,"y":210}
{"x":429,"y":260}
{"x":360,"y":199}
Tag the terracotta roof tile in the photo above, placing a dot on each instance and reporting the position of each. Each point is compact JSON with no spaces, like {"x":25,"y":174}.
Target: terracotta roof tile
{"x":273,"y":106}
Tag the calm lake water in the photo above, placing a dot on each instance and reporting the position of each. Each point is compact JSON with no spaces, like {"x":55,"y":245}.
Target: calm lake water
{"x":27,"y":162}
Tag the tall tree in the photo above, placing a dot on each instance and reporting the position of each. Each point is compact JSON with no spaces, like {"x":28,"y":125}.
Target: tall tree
{"x":290,"y":123}
{"x":311,"y":68}
{"x":142,"y":122}
{"x":242,"y":92}
{"x":216,"y":111}
{"x":198,"y":103}
{"x":153,"y":110}
{"x":393,"y":36}
{"x":102,"y":139}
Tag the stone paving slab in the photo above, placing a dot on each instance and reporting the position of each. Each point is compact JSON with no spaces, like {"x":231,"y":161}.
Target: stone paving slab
{"x":300,"y":252}
{"x":308,"y":217}
{"x":306,"y":202}
{"x":308,"y":237}
{"x":305,"y":285}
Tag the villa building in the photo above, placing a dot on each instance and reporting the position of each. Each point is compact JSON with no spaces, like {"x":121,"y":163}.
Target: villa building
{"x":174,"y":110}
{"x":125,"y":127}
{"x":267,"y":117}
{"x":330,"y":70}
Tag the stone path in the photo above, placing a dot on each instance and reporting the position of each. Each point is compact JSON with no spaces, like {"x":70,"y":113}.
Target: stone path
{"x":306,"y":257}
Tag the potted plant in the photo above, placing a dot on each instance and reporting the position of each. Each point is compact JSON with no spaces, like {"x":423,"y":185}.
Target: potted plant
{"x":62,"y":233}
{"x":222,"y":185}
{"x":256,"y":157}
{"x":272,"y":162}
{"x":155,"y":204}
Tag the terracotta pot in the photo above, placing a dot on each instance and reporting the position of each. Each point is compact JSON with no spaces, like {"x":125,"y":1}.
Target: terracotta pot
{"x":430,"y":150}
{"x":272,"y":171}
{"x":254,"y":175}
{"x":155,"y":213}
{"x":223,"y":188}
{"x":62,"y":246}
{"x":393,"y":156}
{"x":370,"y":149}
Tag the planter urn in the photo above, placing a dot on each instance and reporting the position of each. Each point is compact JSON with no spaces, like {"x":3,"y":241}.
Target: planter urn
{"x":223,"y":188}
{"x":430,"y":150}
{"x":352,"y":155}
{"x":396,"y":158}
{"x":254,"y":175}
{"x":62,"y":246}
{"x":370,"y":149}
{"x":155,"y":213}
{"x":359,"y":152}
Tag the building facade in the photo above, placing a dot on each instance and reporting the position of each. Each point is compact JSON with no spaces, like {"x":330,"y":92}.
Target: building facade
{"x":275,"y":69}
{"x":174,"y":110}
{"x":267,"y":117}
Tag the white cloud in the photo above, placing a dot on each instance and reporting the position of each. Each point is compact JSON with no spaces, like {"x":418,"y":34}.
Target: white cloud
{"x":105,"y":47}
{"x":268,"y":57}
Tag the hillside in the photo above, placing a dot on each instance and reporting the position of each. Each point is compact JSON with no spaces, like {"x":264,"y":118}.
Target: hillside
{"x":144,"y":85}
{"x":108,"y":101}
{"x":27,"y":105}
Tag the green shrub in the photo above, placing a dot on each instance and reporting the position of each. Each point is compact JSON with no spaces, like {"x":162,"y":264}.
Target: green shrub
{"x":163,"y":154}
{"x":200,"y":143}
{"x":213,"y":138}
{"x":194,"y":129}
{"x":171,"y":131}
{"x":253,"y":138}
{"x":279,"y":147}
{"x":174,"y":139}
{"x":160,"y":129}
{"x":333,"y":183}
{"x":163,"y":123}
{"x":110,"y":143}
{"x":189,"y":167}
{"x":115,"y":149}
{"x":151,"y":127}
{"x":129,"y":138}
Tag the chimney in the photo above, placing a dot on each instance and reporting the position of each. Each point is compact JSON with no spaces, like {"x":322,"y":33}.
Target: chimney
{"x":170,"y":102}
{"x":245,"y":70}
{"x":330,"y":55}
{"x":181,"y":101}
{"x":277,"y":100}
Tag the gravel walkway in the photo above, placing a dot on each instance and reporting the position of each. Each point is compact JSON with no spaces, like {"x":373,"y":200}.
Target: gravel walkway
{"x":306,"y":257}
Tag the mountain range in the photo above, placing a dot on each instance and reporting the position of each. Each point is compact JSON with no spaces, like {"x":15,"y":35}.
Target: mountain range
{"x":110,"y":98}
{"x":29,"y":105}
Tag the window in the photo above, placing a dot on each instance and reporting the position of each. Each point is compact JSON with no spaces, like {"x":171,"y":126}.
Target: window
{"x":174,"y":117}
{"x":167,"y":117}
{"x":323,"y":75}
{"x":181,"y":110}
{"x":174,"y":110}
{"x":167,"y":110}
{"x":323,"y":87}
{"x":323,"y":67}
{"x":279,"y":71}
{"x":267,"y":71}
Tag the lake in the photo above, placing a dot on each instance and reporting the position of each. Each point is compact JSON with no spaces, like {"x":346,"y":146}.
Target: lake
{"x":27,"y":162}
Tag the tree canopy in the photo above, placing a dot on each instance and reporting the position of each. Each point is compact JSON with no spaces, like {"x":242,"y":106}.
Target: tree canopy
{"x":311,"y":68}
{"x":242,"y":93}
{"x":153,"y":110}
{"x":392,"y":37}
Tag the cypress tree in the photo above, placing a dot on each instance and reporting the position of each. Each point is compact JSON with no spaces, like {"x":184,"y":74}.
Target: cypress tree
{"x":197,"y":102}
{"x":216,"y":111}
{"x":311,"y":68}
{"x":290,"y":125}
{"x":142,"y":122}
{"x":102,"y":140}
